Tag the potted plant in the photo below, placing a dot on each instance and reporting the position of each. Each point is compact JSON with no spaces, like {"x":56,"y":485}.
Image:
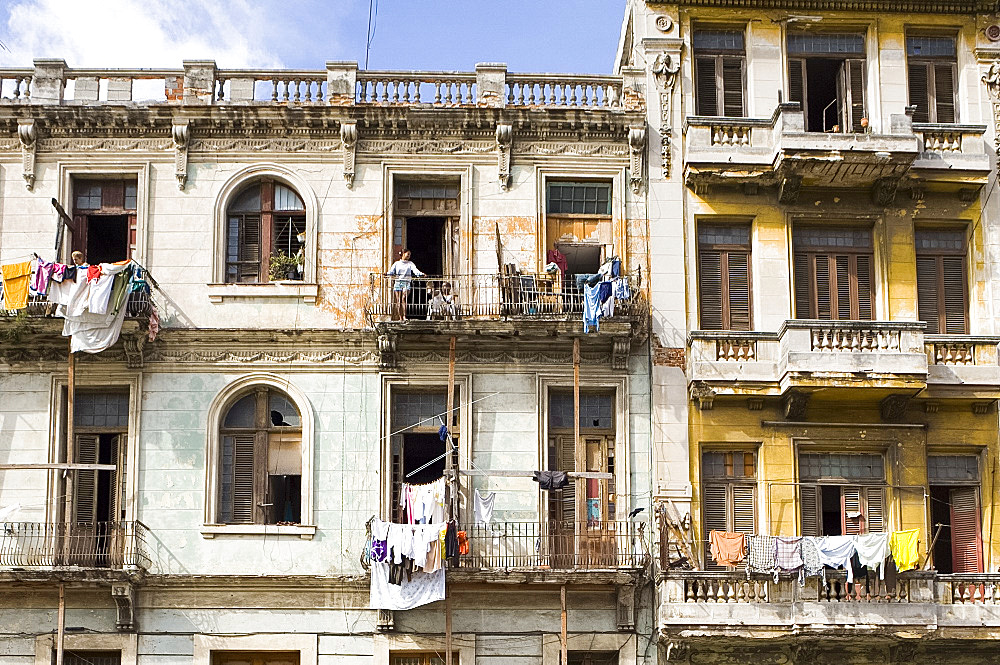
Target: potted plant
{"x":284,"y":266}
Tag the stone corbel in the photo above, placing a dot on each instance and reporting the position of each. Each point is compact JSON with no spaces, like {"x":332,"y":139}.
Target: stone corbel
{"x":626,"y":607}
{"x":665,"y":68}
{"x":893,"y":408}
{"x":621,"y":347}
{"x":637,"y":149}
{"x":27,"y":135}
{"x":992,"y":80}
{"x":505,"y":138}
{"x":788,"y":191}
{"x":181,"y":134}
{"x":124,"y":596}
{"x":349,"y":137}
{"x":884,"y":191}
{"x":703,"y":394}
{"x":386,"y":621}
{"x":678,"y":652}
{"x":795,"y":405}
{"x":388,"y":351}
{"x":134,"y":343}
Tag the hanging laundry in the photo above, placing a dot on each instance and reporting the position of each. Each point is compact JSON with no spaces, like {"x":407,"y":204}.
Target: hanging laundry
{"x":42,"y":275}
{"x":423,"y":503}
{"x":836,"y":552}
{"x":16,"y":279}
{"x":811,"y":564}
{"x":788,"y":554}
{"x":550,"y":480}
{"x":483,"y":507}
{"x":903,"y":545}
{"x":592,"y":311}
{"x":154,"y":323}
{"x":728,"y":548}
{"x":558,"y":258}
{"x":873,"y":550}
{"x":760,"y":557}
{"x":93,"y":272}
{"x":120,"y":290}
{"x":102,"y":286}
{"x":419,"y":589}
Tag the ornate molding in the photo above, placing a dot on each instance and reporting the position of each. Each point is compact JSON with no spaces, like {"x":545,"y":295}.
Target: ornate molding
{"x":27,"y":134}
{"x":992,"y":80}
{"x":637,"y":152}
{"x":505,"y":140}
{"x":625,"y":614}
{"x":884,"y":191}
{"x":893,"y":408}
{"x":665,"y":68}
{"x":104,"y":144}
{"x":582,"y":149}
{"x":258,"y":145}
{"x":788,"y":190}
{"x":794,"y":405}
{"x":621,"y":347}
{"x":124,"y":597}
{"x":133,"y":343}
{"x":349,"y":137}
{"x":866,"y":6}
{"x":157,"y":355}
{"x":504,"y":357}
{"x":703,"y":394}
{"x":181,"y":134}
{"x":10,"y":144}
{"x":428,"y":146}
{"x":388,"y":345}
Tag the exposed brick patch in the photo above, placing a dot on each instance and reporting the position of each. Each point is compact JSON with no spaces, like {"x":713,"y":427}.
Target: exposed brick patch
{"x":669,"y":356}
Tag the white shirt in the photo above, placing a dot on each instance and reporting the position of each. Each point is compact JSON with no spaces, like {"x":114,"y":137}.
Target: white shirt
{"x":404,"y":269}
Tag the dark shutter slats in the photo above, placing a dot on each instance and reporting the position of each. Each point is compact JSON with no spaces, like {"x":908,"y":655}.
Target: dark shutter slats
{"x":955,"y":308}
{"x":918,"y":93}
{"x":243,"y":478}
{"x":716,"y":517}
{"x":852,"y":515}
{"x":706,"y":95}
{"x":944,"y":92}
{"x":567,"y":462}
{"x":824,"y":309}
{"x":732,"y":87}
{"x":803,"y":289}
{"x":966,"y":541}
{"x":843,"y":287}
{"x":856,"y":89}
{"x":865,"y":288}
{"x":809,"y":504}
{"x":744,"y":509}
{"x":874,"y":509}
{"x":86,"y":481}
{"x":928,"y":278}
{"x":710,"y":289}
{"x":796,"y":80}
{"x":738,"y":265}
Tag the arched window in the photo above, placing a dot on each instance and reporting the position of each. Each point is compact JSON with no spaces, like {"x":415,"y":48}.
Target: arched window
{"x":265,"y":220}
{"x":260,"y":460}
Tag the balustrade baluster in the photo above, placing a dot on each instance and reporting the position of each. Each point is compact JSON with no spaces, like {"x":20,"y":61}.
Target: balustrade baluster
{"x":274,"y":90}
{"x":689,"y":595}
{"x":731,"y":593}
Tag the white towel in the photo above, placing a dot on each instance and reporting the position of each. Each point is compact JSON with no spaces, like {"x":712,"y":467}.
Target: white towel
{"x":484,"y":507}
{"x":873,"y":549}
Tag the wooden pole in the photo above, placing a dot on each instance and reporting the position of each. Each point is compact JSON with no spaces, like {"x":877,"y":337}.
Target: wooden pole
{"x":69,"y":484}
{"x":447,"y":628}
{"x":563,"y":638}
{"x":580,"y":455}
{"x":454,"y":478}
{"x":61,"y":624}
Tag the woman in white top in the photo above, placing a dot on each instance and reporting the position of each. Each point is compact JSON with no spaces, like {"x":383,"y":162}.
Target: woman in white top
{"x":404,"y":271}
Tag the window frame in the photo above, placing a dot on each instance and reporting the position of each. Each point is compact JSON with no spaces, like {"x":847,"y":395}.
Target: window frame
{"x":939,"y":256}
{"x":267,"y":218}
{"x":725,"y":283}
{"x":866,"y":489}
{"x":719,"y":56}
{"x":811,"y":252}
{"x":729,"y":483}
{"x":217,"y":411}
{"x":854,"y":65}
{"x":929,"y":62}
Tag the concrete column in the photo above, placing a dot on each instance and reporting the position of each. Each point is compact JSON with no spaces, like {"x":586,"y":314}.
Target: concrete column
{"x":341,"y":82}
{"x":491,"y":84}
{"x":199,"y":81}
{"x":48,"y":81}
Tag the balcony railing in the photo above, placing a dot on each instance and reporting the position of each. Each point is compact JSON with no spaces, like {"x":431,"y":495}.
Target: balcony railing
{"x":138,"y":306}
{"x":491,"y":296}
{"x":556,"y":545}
{"x":111,"y":545}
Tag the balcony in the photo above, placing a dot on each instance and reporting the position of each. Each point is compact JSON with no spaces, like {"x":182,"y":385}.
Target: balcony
{"x":138,"y":307}
{"x":811,"y":354}
{"x":965,"y":364}
{"x":778,"y":151}
{"x":728,"y":603}
{"x":91,"y":550}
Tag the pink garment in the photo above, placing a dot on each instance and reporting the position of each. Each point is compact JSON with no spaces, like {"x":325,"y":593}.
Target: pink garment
{"x":154,"y":323}
{"x":43,"y":273}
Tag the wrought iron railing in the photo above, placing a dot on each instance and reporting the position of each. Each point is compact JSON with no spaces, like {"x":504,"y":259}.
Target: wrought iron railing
{"x":556,"y":545}
{"x":479,"y":296}
{"x":112,"y":545}
{"x":137,"y":306}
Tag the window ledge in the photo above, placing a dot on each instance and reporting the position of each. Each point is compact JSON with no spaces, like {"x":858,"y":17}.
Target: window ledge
{"x":309,"y":292}
{"x":303,"y":531}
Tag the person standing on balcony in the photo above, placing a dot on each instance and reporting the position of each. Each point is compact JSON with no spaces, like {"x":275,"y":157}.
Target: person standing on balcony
{"x":404,"y":270}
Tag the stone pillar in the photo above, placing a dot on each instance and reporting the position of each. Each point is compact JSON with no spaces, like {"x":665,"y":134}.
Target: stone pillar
{"x":341,"y":82}
{"x":199,"y":81}
{"x":48,"y":81}
{"x":491,"y":84}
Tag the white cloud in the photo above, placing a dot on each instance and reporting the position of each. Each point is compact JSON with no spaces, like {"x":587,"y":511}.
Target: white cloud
{"x":142,"y":33}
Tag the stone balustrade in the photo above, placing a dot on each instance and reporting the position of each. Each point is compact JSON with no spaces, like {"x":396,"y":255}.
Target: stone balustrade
{"x":52,"y":82}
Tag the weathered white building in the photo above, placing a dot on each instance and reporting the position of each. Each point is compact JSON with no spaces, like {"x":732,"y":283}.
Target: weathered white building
{"x":236,"y":458}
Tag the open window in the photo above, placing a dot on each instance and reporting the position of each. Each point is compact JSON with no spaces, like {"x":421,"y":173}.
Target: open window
{"x":931,"y":72}
{"x":417,"y":451}
{"x":955,"y":514}
{"x":841,"y":494}
{"x":104,"y":219}
{"x":826,"y":74}
{"x":720,"y":72}
{"x":264,"y":220}
{"x":426,"y":221}
{"x":260,"y":465}
{"x":834,"y":272}
{"x":942,"y":291}
{"x":578,"y":223}
{"x":729,"y":495}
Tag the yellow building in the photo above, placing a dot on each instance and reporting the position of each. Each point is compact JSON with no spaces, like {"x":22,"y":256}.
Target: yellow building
{"x":824,"y":173}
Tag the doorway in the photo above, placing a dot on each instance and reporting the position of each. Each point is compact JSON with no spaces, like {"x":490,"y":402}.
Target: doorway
{"x":425,"y":238}
{"x":107,"y":238}
{"x":824,"y":90}
{"x":955,"y":521}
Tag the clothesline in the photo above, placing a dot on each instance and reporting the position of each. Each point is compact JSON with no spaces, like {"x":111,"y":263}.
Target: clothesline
{"x":438,"y":415}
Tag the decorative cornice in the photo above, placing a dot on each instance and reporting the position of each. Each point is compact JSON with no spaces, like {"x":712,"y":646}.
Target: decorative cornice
{"x":104,"y":144}
{"x":876,"y":6}
{"x":257,"y":356}
{"x":443,"y":147}
{"x":243,"y":144}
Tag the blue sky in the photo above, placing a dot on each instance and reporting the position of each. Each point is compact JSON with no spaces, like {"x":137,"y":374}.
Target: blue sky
{"x":529,"y":35}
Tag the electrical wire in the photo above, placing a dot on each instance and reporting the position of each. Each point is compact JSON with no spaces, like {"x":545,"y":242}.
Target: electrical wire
{"x":372,"y":24}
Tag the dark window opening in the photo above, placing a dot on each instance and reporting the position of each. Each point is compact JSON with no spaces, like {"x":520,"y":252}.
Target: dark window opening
{"x":831,"y":510}
{"x":416,"y":418}
{"x":592,"y":658}
{"x":286,"y":499}
{"x":425,"y":221}
{"x":826,"y":74}
{"x":425,"y":238}
{"x":107,"y":238}
{"x":420,"y":450}
{"x":265,"y":234}
{"x":104,"y":219}
{"x":941,"y":528}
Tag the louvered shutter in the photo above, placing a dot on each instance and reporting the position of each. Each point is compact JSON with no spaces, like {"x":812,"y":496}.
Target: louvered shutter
{"x":85,"y":485}
{"x":738,"y":265}
{"x":250,"y":249}
{"x":823,"y":307}
{"x":966,"y":542}
{"x":809,"y":504}
{"x":928,"y":278}
{"x":916,"y":73}
{"x":874,"y":509}
{"x":706,"y":100}
{"x":710,"y":289}
{"x":856,"y":91}
{"x":944,"y":92}
{"x":864,"y":285}
{"x":796,"y":80}
{"x":843,"y":290}
{"x":732,"y":87}
{"x":955,"y":308}
{"x":744,"y":505}
{"x":852,"y":516}
{"x":567,"y":462}
{"x":243,"y":478}
{"x":118,"y":485}
{"x":803,"y":286}
{"x":716,"y":518}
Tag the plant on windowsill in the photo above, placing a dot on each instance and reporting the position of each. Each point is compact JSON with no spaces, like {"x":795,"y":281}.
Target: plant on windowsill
{"x":284,"y":267}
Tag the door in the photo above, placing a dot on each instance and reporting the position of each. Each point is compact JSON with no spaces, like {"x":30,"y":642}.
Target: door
{"x":966,"y":540}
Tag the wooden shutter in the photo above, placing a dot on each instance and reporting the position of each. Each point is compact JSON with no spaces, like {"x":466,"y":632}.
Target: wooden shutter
{"x":809,"y":504}
{"x":566,"y":446}
{"x":744,"y":508}
{"x":803,"y":286}
{"x":796,"y":81}
{"x":85,"y":508}
{"x":250,"y":249}
{"x":710,"y":289}
{"x":80,"y":223}
{"x":118,"y":484}
{"x":864,"y":285}
{"x":738,"y":283}
{"x":851,"y":514}
{"x":942,"y":299}
{"x":706,"y":87}
{"x":874,"y":509}
{"x":966,"y":541}
{"x":243,"y":478}
{"x":843,"y":287}
{"x":928,"y":279}
{"x":716,"y":518}
{"x":955,"y":313}
{"x":916,"y":73}
{"x":855,"y":69}
{"x":944,"y":92}
{"x":732,"y":86}
{"x":822,"y":307}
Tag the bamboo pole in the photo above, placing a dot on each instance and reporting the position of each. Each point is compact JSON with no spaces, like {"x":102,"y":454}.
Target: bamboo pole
{"x":563,"y":638}
{"x":61,"y":625}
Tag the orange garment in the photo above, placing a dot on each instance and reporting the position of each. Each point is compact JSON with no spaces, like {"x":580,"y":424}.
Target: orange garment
{"x":16,"y":277}
{"x":728,"y":548}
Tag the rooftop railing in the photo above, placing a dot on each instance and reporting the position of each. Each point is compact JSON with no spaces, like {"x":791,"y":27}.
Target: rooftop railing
{"x":111,"y":545}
